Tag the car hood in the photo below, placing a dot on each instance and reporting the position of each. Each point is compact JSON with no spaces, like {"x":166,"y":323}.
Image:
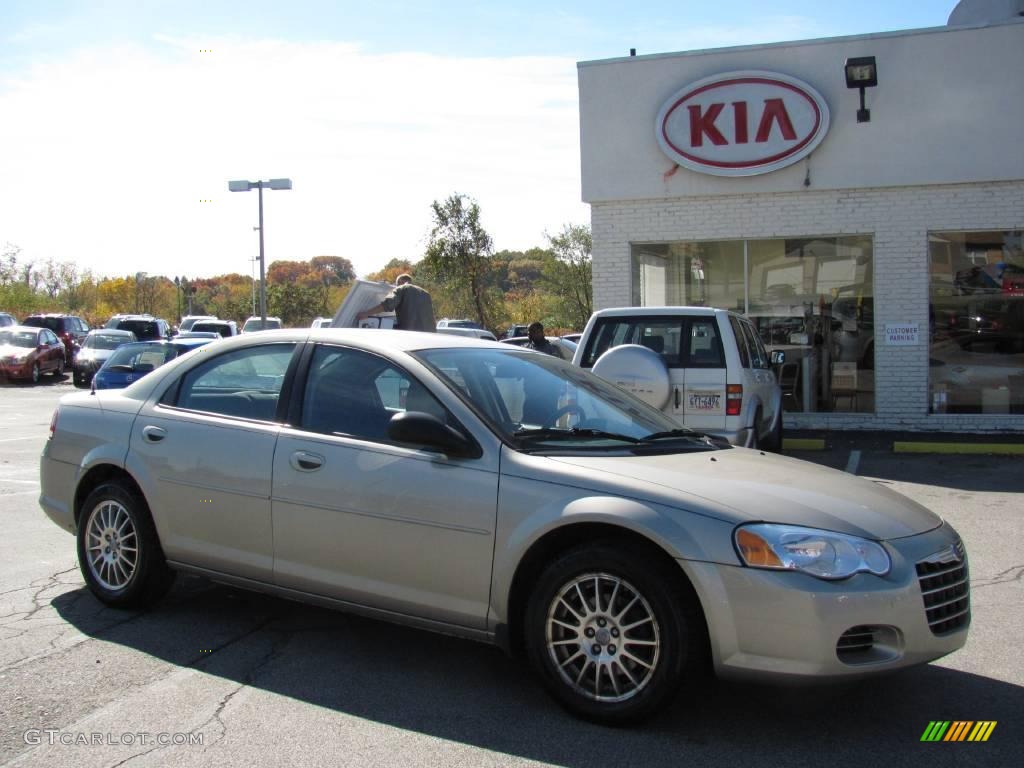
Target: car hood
{"x":741,"y":485}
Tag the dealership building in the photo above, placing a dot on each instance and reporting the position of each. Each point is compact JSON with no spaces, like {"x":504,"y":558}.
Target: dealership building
{"x":860,"y":198}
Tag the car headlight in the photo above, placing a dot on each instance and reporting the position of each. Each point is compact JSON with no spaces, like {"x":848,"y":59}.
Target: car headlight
{"x":823,"y":554}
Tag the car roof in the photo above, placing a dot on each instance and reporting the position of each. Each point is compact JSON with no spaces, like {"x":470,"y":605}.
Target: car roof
{"x":628,"y":311}
{"x":109,"y":332}
{"x":33,"y":328}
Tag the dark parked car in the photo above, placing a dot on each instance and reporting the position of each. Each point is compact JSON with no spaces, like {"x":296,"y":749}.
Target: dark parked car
{"x":70,"y":329}
{"x":27,"y":352}
{"x":145,"y":327}
{"x":130,"y":362}
{"x":97,"y":347}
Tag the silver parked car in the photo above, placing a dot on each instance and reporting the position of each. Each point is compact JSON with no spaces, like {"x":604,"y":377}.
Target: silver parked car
{"x":491,"y":492}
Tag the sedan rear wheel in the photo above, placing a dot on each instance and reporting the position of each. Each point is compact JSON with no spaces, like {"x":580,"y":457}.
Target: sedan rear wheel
{"x":118,"y":549}
{"x":613,"y":634}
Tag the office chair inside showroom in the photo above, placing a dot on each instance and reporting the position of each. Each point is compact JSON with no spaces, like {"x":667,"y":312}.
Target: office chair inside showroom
{"x":789,"y":381}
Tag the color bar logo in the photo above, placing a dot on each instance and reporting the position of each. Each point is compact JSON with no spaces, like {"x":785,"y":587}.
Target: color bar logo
{"x":958,"y":730}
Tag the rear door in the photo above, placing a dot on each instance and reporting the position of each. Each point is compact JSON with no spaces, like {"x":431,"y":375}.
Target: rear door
{"x":204,"y":457}
{"x":698,"y":398}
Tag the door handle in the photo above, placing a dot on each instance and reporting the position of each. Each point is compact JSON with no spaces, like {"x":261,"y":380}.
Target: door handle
{"x":153,"y":434}
{"x":677,"y":396}
{"x":306,"y":462}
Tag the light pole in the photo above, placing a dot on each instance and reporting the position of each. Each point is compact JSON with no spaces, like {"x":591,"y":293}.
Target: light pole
{"x":245,"y":186}
{"x":177,"y":296}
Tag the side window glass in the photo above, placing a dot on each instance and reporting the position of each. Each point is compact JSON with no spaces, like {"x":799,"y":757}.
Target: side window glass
{"x":761,"y":357}
{"x":245,"y":383}
{"x":355,"y":394}
{"x":703,"y":344}
{"x":742,"y":341}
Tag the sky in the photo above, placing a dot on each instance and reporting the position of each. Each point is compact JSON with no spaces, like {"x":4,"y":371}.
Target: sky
{"x":122,"y":121}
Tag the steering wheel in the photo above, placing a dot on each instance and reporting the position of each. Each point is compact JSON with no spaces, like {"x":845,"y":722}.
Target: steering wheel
{"x":570,"y":408}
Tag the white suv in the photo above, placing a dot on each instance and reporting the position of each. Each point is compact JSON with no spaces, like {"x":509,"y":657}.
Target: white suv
{"x":707,"y":368}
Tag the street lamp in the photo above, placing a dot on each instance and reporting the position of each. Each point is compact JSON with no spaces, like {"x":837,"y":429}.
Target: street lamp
{"x":177,"y":296}
{"x":245,"y":186}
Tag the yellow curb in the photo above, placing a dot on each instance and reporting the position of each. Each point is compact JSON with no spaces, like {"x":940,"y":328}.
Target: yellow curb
{"x":803,"y":444}
{"x":916,"y":447}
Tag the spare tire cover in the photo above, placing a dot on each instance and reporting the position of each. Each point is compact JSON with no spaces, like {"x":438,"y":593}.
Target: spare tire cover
{"x":638,"y":370}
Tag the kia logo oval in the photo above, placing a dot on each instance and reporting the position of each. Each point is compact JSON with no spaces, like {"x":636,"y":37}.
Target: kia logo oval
{"x":742,"y":123}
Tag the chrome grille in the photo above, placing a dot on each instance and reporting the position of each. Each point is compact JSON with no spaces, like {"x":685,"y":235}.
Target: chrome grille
{"x":945,"y":588}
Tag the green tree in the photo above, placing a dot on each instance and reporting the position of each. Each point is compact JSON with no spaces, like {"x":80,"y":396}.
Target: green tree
{"x":459,"y":258}
{"x":570,"y":274}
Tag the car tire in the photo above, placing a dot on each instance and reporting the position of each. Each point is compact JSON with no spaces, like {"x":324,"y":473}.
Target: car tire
{"x":755,"y":435}
{"x":35,"y":373}
{"x":58,"y":372}
{"x":774,"y":441}
{"x":77,"y":379}
{"x":582,"y":648}
{"x":119,"y":552}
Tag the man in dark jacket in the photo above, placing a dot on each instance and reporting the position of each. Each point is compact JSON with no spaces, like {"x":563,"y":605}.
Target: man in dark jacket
{"x":411,"y":304}
{"x":539,"y":341}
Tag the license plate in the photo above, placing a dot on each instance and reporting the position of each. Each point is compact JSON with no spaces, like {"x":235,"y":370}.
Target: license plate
{"x":704,"y":401}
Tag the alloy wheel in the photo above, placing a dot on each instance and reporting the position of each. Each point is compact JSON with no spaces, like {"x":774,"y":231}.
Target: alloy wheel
{"x":112,"y":549}
{"x":603,"y":637}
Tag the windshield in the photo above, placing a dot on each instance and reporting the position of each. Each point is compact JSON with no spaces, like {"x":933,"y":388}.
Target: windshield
{"x":141,"y":356}
{"x":104,"y":341}
{"x":540,"y":403}
{"x":26,"y":339}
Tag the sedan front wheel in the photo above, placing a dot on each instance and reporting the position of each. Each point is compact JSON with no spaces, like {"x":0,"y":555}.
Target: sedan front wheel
{"x":613,"y":633}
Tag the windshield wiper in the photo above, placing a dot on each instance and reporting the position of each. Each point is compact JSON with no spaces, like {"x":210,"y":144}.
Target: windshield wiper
{"x":672,"y":433}
{"x":573,"y":433}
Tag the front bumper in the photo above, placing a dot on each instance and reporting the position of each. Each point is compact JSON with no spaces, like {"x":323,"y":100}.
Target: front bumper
{"x":779,"y":625}
{"x":16,"y":370}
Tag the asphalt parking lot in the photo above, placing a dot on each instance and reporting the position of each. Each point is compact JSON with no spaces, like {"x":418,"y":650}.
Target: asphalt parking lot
{"x":263,"y":681}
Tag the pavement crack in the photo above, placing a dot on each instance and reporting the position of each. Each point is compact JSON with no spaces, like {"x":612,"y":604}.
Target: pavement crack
{"x":1016,"y":573}
{"x":276,"y":649}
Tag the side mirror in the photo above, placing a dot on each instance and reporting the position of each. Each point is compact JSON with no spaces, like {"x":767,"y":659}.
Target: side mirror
{"x":428,"y":431}
{"x":778,"y":357}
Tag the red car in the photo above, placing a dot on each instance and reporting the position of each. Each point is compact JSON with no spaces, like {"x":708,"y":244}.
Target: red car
{"x":27,"y":352}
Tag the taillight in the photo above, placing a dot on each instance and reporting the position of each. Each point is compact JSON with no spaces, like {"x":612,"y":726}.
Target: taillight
{"x":733,"y":399}
{"x":53,"y":422}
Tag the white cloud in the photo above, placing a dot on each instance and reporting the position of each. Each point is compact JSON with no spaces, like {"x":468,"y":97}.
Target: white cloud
{"x":111,"y":150}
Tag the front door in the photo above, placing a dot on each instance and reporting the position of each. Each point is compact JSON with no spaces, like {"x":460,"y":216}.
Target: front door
{"x":359,"y":518}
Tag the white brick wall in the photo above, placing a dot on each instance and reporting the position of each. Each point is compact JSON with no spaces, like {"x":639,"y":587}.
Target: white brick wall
{"x":898,"y":220}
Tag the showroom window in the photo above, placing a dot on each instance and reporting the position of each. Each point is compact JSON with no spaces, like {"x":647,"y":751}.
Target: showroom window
{"x":976,"y":314}
{"x":811,"y":298}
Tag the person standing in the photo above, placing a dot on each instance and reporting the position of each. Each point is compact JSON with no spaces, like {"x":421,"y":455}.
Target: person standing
{"x":413,"y":308}
{"x":539,"y":341}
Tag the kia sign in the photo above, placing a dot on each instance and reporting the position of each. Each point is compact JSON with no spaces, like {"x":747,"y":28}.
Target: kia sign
{"x":742,"y":123}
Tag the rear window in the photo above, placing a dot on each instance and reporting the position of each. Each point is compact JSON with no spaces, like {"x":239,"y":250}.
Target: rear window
{"x":222,"y":328}
{"x":682,"y":342}
{"x":53,"y":323}
{"x":143,"y":329}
